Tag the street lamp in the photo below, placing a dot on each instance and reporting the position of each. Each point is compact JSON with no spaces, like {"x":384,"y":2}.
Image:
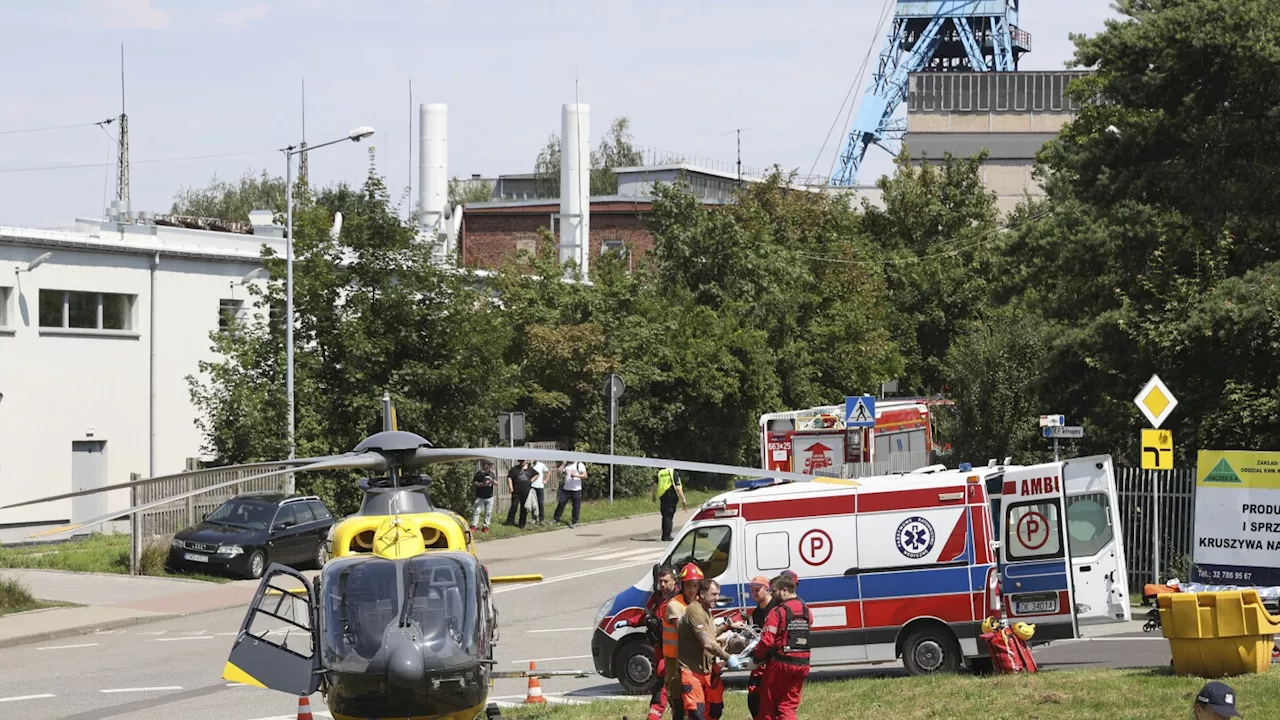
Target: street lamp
{"x":355,"y":135}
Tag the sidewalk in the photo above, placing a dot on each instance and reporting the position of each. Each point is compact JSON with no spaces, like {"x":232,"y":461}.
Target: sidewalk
{"x":113,"y":601}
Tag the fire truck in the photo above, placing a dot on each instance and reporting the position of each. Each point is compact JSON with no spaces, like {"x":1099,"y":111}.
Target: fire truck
{"x":815,"y":440}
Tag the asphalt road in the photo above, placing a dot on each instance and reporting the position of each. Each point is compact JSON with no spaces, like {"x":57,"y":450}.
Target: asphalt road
{"x":173,"y":668}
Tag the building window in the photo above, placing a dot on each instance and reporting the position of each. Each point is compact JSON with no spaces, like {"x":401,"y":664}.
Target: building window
{"x":4,"y":306}
{"x":229,"y":311}
{"x":86,"y":310}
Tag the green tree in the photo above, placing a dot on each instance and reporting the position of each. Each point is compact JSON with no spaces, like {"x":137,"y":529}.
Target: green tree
{"x":232,"y":201}
{"x":373,"y":315}
{"x":615,"y":151}
{"x":462,"y":192}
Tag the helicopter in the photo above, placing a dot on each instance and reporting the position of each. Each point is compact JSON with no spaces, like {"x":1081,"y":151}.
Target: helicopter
{"x":400,"y":622}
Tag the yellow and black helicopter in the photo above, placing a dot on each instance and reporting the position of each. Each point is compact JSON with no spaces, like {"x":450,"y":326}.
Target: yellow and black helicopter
{"x":400,"y":622}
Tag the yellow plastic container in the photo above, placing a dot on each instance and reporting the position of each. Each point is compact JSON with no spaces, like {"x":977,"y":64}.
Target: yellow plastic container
{"x":1218,"y":634}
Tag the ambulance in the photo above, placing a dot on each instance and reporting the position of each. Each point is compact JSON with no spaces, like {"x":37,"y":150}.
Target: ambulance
{"x":901,"y":567}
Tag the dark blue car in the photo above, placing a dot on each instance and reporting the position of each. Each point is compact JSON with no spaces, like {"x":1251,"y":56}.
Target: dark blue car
{"x":250,"y":531}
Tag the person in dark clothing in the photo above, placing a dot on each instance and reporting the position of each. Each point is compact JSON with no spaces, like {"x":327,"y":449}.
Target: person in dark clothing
{"x":483,"y":483}
{"x":519,"y":483}
{"x":667,"y":488}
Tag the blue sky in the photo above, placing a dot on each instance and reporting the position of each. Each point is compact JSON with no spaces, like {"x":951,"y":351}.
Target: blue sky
{"x":212,"y":77}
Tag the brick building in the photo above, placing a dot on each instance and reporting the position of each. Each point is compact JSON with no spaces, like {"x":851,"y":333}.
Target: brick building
{"x":492,"y":232}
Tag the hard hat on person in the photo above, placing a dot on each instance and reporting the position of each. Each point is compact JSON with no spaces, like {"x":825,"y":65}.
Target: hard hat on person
{"x":690,"y":573}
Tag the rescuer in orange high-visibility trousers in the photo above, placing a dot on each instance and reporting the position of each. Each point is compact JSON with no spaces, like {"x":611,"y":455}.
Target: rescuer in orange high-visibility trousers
{"x":784,"y":644}
{"x":703,"y":691}
{"x":690,"y":576}
{"x":665,"y":589}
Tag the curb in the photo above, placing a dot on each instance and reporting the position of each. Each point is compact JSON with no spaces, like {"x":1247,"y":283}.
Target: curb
{"x":163,"y":578}
{"x":108,"y":625}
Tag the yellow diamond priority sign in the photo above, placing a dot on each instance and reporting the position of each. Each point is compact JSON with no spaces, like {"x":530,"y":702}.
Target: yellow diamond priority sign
{"x":1155,"y":401}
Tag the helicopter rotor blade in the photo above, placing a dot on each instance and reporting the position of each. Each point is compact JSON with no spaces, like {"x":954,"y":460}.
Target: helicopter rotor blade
{"x":188,"y":473}
{"x":444,"y":455}
{"x":364,"y":461}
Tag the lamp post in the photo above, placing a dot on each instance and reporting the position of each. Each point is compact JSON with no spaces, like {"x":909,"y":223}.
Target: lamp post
{"x":355,"y":135}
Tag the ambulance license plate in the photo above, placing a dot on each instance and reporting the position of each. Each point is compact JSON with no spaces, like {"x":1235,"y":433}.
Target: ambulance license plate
{"x":1042,"y":604}
{"x":195,"y":557}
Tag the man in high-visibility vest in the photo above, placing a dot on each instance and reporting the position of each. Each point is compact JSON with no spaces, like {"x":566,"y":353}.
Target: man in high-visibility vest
{"x":665,"y":588}
{"x":667,"y":488}
{"x":690,"y":576}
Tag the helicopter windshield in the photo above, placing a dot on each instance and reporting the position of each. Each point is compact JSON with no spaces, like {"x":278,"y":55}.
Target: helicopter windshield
{"x":367,"y":598}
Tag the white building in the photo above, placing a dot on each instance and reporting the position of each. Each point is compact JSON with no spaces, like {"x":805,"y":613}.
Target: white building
{"x":77,"y":340}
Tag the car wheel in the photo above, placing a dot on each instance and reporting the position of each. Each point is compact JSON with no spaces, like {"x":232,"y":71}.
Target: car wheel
{"x":257,"y":564}
{"x":637,"y":668}
{"x":322,"y":555}
{"x":931,"y":650}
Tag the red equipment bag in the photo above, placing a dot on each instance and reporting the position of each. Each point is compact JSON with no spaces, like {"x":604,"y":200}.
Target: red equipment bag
{"x":1009,"y":653}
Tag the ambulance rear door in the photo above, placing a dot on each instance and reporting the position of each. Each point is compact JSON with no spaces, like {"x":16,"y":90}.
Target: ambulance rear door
{"x":1034,"y":552}
{"x":1097,"y":548}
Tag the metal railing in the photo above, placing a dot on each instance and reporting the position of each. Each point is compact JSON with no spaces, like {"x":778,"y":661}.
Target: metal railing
{"x":1157,"y":519}
{"x":167,"y":519}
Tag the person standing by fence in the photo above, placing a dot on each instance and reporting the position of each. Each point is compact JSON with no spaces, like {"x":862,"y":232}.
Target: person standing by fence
{"x":484,"y":483}
{"x":571,"y":476}
{"x":518,"y":486}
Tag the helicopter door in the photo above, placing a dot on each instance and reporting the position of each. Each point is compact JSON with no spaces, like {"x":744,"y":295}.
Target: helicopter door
{"x":277,"y":647}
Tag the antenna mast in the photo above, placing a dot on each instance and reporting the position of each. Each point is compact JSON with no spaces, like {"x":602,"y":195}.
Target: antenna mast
{"x":122,"y":160}
{"x":302,"y":156}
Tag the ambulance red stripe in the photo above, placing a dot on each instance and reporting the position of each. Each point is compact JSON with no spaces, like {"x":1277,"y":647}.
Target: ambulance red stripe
{"x":910,"y":499}
{"x":792,"y":509}
{"x":954,"y":546}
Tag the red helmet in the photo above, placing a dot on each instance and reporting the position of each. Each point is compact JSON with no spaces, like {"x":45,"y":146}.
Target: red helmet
{"x":690,"y":573}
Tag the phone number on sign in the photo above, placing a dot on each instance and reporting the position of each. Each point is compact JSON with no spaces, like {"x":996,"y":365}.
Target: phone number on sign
{"x":1229,"y":575}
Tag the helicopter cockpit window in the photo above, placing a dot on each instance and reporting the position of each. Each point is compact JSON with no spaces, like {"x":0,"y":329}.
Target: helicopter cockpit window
{"x":243,"y":513}
{"x":366,"y":597}
{"x":361,"y":600}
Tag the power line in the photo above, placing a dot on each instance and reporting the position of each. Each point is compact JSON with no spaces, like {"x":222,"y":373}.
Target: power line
{"x":135,"y":162}
{"x":991,"y":236}
{"x":55,"y":127}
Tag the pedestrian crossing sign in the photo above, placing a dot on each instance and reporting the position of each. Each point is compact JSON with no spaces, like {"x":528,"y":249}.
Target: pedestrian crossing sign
{"x":860,"y":411}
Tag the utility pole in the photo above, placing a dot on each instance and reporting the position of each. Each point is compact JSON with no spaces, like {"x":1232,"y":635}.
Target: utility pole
{"x":122,"y":159}
{"x":302,"y":156}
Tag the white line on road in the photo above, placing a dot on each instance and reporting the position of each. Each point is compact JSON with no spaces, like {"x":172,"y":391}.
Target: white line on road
{"x":572,"y":576}
{"x":596,"y":551}
{"x":649,"y":553}
{"x":154,"y":632}
{"x":193,"y":632}
{"x":567,"y":657}
{"x":67,"y":647}
{"x":227,"y":634}
{"x":577,"y":629}
{"x":26,"y":697}
{"x":146,"y":689}
{"x":188,"y":637}
{"x":1104,"y":639}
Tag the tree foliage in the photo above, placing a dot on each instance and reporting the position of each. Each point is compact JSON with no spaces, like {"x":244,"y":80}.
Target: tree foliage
{"x":615,"y":151}
{"x":232,"y":201}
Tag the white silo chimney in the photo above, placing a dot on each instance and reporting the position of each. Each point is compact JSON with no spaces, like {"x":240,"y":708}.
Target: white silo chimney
{"x":433,"y":165}
{"x":575,"y":185}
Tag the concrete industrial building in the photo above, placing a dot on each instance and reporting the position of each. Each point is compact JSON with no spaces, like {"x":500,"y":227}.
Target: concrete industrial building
{"x":1010,"y":114}
{"x":79,"y":332}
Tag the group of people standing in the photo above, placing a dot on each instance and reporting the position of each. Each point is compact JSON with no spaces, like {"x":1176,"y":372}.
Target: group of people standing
{"x":527,"y":482}
{"x":689,"y":647}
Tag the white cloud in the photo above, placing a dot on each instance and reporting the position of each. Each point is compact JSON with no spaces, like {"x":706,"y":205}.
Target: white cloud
{"x":243,"y":15}
{"x":131,"y":14}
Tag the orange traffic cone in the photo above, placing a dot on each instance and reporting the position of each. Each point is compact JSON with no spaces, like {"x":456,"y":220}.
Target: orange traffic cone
{"x":304,"y":708}
{"x":535,"y":689}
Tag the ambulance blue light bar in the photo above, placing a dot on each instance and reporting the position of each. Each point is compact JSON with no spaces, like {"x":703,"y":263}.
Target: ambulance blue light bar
{"x":755,"y":483}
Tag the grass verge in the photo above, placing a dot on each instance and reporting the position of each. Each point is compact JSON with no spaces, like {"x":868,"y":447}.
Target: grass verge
{"x":15,"y":598}
{"x":1066,"y":695}
{"x":96,"y":553}
{"x":592,"y":511}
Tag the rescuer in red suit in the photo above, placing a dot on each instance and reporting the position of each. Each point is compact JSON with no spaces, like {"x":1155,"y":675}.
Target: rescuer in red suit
{"x":784,"y":645}
{"x":665,"y":588}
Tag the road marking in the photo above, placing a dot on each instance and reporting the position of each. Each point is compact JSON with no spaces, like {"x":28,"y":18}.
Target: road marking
{"x":67,"y":647}
{"x":597,"y":551}
{"x":195,"y":632}
{"x":567,"y":657}
{"x":1106,"y":639}
{"x":577,"y":629}
{"x":146,"y":689}
{"x":647,"y":552}
{"x":227,"y":634}
{"x":154,"y":632}
{"x":188,"y":637}
{"x":26,"y":697}
{"x":572,"y":576}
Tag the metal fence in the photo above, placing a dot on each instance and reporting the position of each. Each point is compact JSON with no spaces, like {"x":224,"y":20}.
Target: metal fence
{"x":167,"y":519}
{"x":502,"y":496}
{"x":1157,"y":516}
